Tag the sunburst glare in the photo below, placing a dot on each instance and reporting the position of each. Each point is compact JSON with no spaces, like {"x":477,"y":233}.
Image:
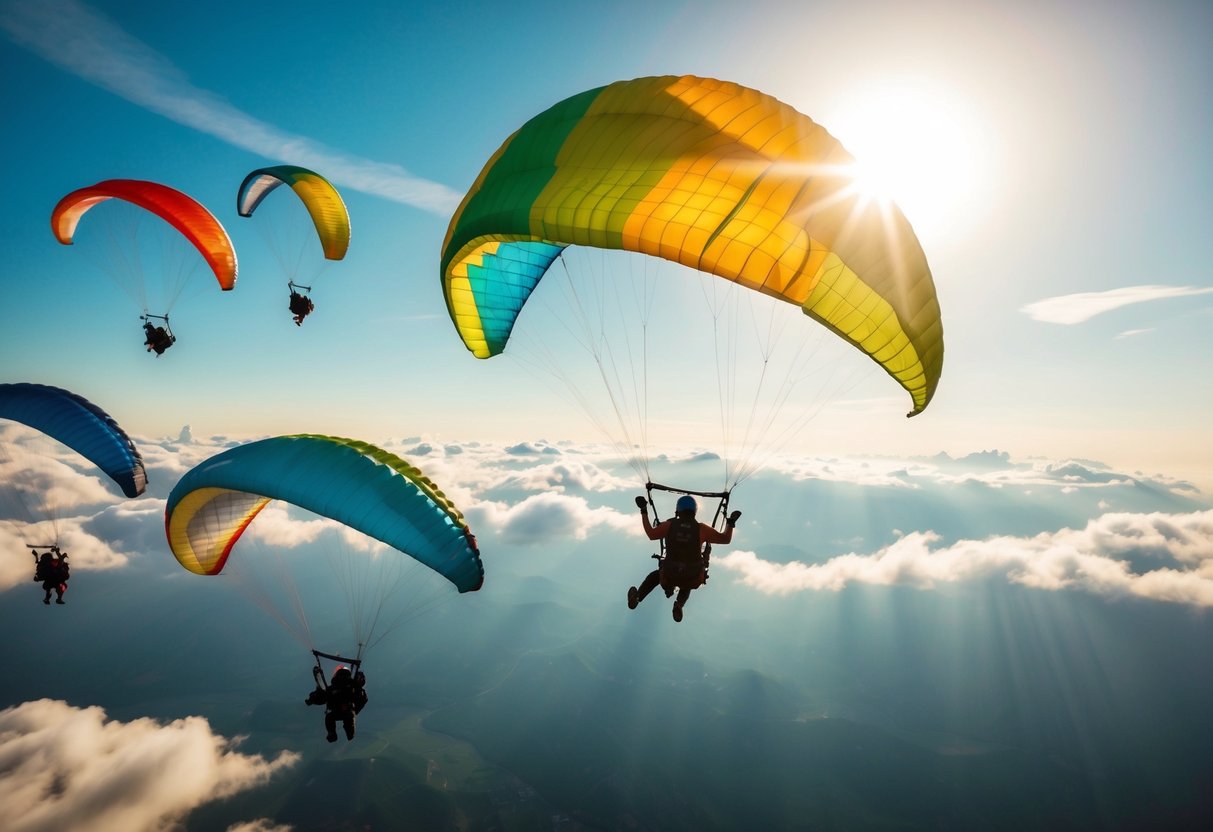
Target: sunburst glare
{"x":917,"y":146}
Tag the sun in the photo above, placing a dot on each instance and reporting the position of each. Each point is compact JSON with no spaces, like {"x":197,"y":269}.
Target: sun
{"x":917,"y":146}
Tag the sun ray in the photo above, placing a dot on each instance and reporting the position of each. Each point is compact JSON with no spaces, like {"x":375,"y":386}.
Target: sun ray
{"x":916,"y":145}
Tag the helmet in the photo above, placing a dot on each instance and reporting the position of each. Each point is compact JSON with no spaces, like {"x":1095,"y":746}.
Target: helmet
{"x":686,"y":503}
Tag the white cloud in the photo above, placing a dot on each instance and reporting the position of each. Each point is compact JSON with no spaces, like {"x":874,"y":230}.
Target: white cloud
{"x":534,"y":498}
{"x":130,"y":526}
{"x":84,"y":42}
{"x":897,"y":473}
{"x":542,"y":518}
{"x":119,"y":529}
{"x":50,"y":494}
{"x":85,"y":552}
{"x":49,"y":486}
{"x":166,"y":460}
{"x":570,"y":475}
{"x":259,"y":825}
{"x":992,"y":469}
{"x":275,"y":528}
{"x":1076,"y":308}
{"x":476,"y":469}
{"x":523,"y":449}
{"x":1179,"y":548}
{"x":45,"y":477}
{"x":63,"y":767}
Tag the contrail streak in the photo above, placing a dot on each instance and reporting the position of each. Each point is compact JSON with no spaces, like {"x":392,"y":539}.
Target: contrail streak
{"x":85,"y":43}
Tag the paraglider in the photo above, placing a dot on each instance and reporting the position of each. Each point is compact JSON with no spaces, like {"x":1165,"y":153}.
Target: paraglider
{"x":358,"y":485}
{"x":686,"y":548}
{"x":67,"y":418}
{"x":300,"y":304}
{"x":51,"y":570}
{"x":326,"y":210}
{"x":189,"y":220}
{"x":343,"y":697}
{"x":352,"y":482}
{"x":157,"y":338}
{"x":79,"y":424}
{"x":751,"y":198}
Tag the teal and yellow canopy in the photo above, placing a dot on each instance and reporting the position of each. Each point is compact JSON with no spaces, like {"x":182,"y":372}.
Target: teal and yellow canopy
{"x":324,"y":205}
{"x":354,"y":483}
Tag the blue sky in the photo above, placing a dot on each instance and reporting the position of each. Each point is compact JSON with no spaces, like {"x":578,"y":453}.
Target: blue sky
{"x":1074,"y":168}
{"x":1053,"y":159}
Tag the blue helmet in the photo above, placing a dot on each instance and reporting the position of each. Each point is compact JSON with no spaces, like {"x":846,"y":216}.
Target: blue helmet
{"x":686,"y":503}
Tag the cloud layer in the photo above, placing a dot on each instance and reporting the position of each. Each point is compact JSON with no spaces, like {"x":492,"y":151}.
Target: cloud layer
{"x":1145,"y":535}
{"x":1164,"y":557}
{"x":47,"y":497}
{"x":63,"y":767}
{"x":548,"y":518}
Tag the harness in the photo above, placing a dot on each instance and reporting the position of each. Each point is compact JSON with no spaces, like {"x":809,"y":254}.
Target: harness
{"x":682,"y":541}
{"x":163,"y":342}
{"x":300,"y":303}
{"x":679,"y":546}
{"x":318,"y":671}
{"x":58,"y":566}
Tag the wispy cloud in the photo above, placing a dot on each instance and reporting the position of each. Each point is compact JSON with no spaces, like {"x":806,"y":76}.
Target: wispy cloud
{"x":63,"y":767}
{"x":1076,"y":308}
{"x":1164,"y":557}
{"x":84,"y":42}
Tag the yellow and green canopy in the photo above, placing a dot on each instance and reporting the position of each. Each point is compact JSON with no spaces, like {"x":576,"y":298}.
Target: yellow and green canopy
{"x":709,"y":174}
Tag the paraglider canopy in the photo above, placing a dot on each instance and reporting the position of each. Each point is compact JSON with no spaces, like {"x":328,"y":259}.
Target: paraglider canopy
{"x":366,"y":492}
{"x":355,"y":483}
{"x":323,"y":203}
{"x":708,"y":174}
{"x":80,"y":425}
{"x":180,"y":211}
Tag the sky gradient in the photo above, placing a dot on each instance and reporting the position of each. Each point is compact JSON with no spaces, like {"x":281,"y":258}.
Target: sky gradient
{"x":1077,"y":182}
{"x":991,"y":590}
